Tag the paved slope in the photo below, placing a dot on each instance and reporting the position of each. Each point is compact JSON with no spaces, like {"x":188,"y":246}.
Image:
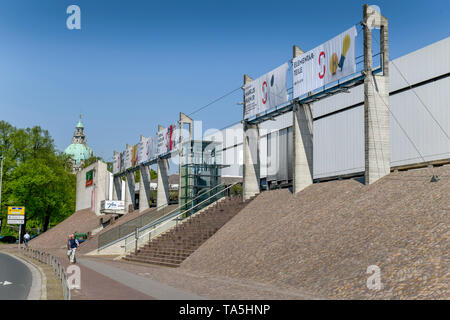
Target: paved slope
{"x":56,"y":237}
{"x":324,"y":238}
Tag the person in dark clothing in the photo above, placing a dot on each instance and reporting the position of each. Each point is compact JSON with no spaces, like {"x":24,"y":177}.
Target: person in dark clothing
{"x":72,"y":246}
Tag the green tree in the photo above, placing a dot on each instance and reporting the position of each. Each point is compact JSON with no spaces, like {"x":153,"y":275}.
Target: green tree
{"x":35,"y":176}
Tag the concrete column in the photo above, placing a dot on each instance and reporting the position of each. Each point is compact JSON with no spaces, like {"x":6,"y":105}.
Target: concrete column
{"x":303,"y":142}
{"x":251,"y":161}
{"x":251,"y":169}
{"x":117,"y":185}
{"x":162,"y":193}
{"x":303,"y":147}
{"x":117,"y":188}
{"x":376,"y":101}
{"x":144,"y":186}
{"x":184,"y":119}
{"x":129,"y":189}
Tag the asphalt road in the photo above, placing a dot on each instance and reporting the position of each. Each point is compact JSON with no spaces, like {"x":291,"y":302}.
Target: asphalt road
{"x":15,"y":272}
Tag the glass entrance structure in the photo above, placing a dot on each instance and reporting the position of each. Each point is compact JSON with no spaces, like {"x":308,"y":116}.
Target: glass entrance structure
{"x":200,"y":173}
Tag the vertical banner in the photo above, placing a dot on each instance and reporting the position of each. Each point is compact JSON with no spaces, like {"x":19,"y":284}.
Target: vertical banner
{"x":134,"y":155}
{"x":116,"y":164}
{"x":325,"y":64}
{"x":128,"y":157}
{"x":266,"y":92}
{"x":153,"y":147}
{"x":167,"y":140}
{"x":122,"y":161}
{"x":143,"y":151}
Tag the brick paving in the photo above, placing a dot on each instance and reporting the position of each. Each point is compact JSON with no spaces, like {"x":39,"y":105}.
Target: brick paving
{"x":323,"y":239}
{"x":208,"y":286}
{"x":96,"y":286}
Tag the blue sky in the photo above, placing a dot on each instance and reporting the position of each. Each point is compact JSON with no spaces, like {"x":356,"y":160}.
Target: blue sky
{"x":136,"y":64}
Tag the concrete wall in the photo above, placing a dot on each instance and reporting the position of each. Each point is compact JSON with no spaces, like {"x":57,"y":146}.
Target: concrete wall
{"x":91,"y":196}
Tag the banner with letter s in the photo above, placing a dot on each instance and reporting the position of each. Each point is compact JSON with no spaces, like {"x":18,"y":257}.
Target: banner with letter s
{"x":266,"y":92}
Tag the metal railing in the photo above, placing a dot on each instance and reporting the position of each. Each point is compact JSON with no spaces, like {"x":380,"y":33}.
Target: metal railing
{"x":52,"y":261}
{"x":127,"y":229}
{"x":133,"y":241}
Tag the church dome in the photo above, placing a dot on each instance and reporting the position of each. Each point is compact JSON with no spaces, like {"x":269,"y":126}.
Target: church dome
{"x":78,"y":152}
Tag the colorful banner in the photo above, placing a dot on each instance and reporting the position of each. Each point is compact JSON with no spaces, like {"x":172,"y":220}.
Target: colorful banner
{"x":128,"y":158}
{"x":134,"y":155}
{"x":152,"y":147}
{"x":266,"y":92}
{"x":116,"y":163}
{"x":167,"y":140}
{"x":327,"y":63}
{"x":143,"y":150}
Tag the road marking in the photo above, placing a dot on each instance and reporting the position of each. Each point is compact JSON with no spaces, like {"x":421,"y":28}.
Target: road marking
{"x":5,"y":283}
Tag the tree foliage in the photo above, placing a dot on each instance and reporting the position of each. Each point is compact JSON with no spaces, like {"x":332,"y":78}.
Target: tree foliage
{"x":35,"y":175}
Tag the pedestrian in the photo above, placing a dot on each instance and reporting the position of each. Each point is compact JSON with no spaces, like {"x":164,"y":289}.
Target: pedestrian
{"x":26,"y":238}
{"x":72,"y":246}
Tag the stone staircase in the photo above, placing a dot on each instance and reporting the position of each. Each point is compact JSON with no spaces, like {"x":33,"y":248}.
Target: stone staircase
{"x":174,"y":246}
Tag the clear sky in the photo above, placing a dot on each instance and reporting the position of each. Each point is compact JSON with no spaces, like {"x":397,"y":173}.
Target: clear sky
{"x":136,"y":63}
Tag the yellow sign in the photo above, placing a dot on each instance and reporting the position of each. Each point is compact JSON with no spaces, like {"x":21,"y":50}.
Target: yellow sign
{"x":19,"y":211}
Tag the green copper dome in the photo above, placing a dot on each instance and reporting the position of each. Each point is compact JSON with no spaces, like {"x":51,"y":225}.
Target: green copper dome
{"x":78,"y":152}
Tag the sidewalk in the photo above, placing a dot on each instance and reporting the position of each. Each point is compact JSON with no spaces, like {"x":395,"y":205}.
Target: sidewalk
{"x":97,"y":286}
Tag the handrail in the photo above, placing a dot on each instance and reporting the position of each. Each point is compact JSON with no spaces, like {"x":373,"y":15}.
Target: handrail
{"x":159,"y":219}
{"x":173,"y":218}
{"x":51,"y":260}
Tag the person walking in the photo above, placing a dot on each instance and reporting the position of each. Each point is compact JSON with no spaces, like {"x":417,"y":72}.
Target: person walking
{"x":26,"y":238}
{"x":72,"y":246}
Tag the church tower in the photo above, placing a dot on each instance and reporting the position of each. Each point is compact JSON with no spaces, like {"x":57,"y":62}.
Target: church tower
{"x":79,"y":151}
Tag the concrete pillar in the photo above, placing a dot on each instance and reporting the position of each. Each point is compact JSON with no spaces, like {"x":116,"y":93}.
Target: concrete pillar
{"x":129,"y":190}
{"x":184,"y":119}
{"x":303,"y":142}
{"x":303,"y":147}
{"x":251,"y":161}
{"x":251,"y":169}
{"x":117,"y":188}
{"x":162,"y":193}
{"x":376,"y":101}
{"x":117,"y":185}
{"x":144,"y":186}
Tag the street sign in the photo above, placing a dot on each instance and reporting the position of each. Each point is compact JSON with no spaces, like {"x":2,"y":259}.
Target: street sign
{"x":16,"y":211}
{"x":16,"y":215}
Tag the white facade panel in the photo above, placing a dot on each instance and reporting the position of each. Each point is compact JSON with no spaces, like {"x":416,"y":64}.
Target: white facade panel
{"x":280,"y":122}
{"x":339,"y":144}
{"x":233,"y":158}
{"x":263,"y":157}
{"x":421,"y":65}
{"x":418,"y":124}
